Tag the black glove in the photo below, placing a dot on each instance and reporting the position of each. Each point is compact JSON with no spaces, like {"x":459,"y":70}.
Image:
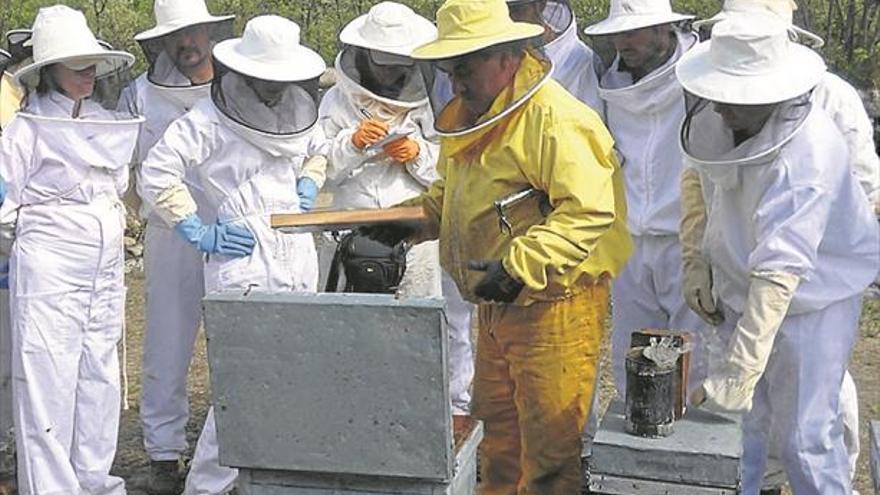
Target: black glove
{"x":390,"y":234}
{"x":497,"y":285}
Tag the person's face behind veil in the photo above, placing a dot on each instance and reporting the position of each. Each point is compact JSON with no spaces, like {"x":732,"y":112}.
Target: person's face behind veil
{"x":190,"y":50}
{"x":385,"y":80}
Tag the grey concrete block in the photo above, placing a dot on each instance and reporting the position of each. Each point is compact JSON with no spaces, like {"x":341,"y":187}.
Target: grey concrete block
{"x":874,"y":438}
{"x":331,"y":383}
{"x":704,"y":451}
{"x":464,"y":482}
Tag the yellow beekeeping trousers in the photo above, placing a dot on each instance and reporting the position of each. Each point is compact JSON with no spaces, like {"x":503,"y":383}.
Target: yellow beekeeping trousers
{"x":535,"y":370}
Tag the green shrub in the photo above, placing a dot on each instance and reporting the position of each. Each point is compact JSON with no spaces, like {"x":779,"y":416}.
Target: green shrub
{"x":852,"y":27}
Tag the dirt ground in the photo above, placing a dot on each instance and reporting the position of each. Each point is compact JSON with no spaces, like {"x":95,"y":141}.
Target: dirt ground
{"x":133,"y":464}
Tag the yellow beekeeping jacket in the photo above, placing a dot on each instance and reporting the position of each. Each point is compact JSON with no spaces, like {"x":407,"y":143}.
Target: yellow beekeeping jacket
{"x":10,"y":99}
{"x":553,"y":143}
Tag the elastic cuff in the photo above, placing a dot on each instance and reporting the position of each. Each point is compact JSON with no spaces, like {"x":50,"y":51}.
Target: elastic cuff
{"x":174,"y":204}
{"x":315,"y":168}
{"x":165,"y":456}
{"x":511,"y":271}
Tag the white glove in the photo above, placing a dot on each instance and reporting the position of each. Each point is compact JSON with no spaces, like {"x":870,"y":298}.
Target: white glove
{"x":693,"y":214}
{"x":731,"y":386}
{"x":697,"y":285}
{"x":697,"y":288}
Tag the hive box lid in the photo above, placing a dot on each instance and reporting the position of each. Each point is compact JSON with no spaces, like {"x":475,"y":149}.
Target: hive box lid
{"x":704,"y":450}
{"x":333,"y":383}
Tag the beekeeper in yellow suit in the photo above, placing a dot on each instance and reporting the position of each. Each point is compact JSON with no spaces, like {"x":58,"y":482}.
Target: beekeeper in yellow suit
{"x":538,"y":265}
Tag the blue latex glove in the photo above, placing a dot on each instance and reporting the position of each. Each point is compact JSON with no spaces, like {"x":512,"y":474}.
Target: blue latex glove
{"x":220,"y":238}
{"x":2,"y":190}
{"x":307,"y":191}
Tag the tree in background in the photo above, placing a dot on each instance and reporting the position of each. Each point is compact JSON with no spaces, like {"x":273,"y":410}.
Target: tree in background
{"x":850,"y":27}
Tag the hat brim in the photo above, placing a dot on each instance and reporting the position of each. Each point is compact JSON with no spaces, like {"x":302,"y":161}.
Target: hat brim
{"x":808,"y":38}
{"x":165,"y":29}
{"x":302,"y":63}
{"x":631,"y":22}
{"x":424,"y":29}
{"x":454,"y":47}
{"x":799,"y":72}
{"x":108,"y":61}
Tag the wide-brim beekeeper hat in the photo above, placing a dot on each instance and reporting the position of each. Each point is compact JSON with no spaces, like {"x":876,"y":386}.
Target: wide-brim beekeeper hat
{"x":467,"y":26}
{"x":61,"y":35}
{"x":389,"y":27}
{"x":750,"y":60}
{"x":174,"y":15}
{"x":629,"y":15}
{"x":783,"y":9}
{"x":270,"y":49}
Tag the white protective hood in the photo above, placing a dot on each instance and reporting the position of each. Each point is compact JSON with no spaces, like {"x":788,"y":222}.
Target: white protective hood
{"x":182,"y":97}
{"x":655,"y":90}
{"x":709,"y":145}
{"x":574,"y":66}
{"x":77,"y":158}
{"x":284,"y":130}
{"x":369,"y":178}
{"x":413,"y":94}
{"x":782,"y":201}
{"x":645,"y":118}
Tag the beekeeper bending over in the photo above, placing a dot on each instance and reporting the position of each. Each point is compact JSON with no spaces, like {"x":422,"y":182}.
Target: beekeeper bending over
{"x":840,"y":100}
{"x":247,"y":146}
{"x":788,"y":272}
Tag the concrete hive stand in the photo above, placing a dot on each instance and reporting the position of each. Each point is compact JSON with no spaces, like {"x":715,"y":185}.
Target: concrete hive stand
{"x":343,"y":394}
{"x":701,"y":457}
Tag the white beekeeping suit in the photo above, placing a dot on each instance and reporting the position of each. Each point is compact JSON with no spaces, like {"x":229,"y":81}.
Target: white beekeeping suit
{"x":361,"y":176}
{"x":65,"y":157}
{"x":787,"y":272}
{"x":379,"y":86}
{"x":845,"y":107}
{"x":644,"y":117}
{"x":184,"y":34}
{"x":574,"y":63}
{"x":246,"y":147}
{"x":843,"y":104}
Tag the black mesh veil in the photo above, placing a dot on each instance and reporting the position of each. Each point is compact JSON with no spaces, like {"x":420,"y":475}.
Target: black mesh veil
{"x":271,"y":107}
